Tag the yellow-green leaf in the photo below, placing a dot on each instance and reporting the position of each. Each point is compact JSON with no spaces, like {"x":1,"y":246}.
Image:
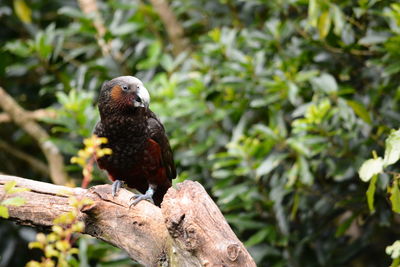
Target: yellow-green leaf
{"x":35,"y":244}
{"x":324,"y":24}
{"x":15,"y":190}
{"x":23,"y":11}
{"x":57,"y":229}
{"x":50,"y":251}
{"x":371,"y":192}
{"x":33,"y":264}
{"x":14,"y":201}
{"x":360,"y":110}
{"x":74,"y":251}
{"x":63,"y":245}
{"x":9,"y":185}
{"x":78,"y":227}
{"x":4,"y":212}
{"x":395,"y":196}
{"x":40,"y":237}
{"x":370,"y":168}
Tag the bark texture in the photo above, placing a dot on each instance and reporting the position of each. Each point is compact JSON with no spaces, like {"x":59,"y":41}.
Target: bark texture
{"x":188,"y":230}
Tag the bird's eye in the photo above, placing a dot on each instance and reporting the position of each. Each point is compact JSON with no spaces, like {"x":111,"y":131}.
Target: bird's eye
{"x":125,"y":88}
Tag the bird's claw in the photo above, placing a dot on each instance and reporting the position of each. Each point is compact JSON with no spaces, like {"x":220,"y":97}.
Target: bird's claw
{"x":116,"y":186}
{"x":139,"y":197}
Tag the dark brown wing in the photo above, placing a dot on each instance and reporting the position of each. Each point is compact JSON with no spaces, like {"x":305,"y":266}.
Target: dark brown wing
{"x":157,"y":133}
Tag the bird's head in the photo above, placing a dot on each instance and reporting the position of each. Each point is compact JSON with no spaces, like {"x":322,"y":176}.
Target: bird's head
{"x":124,"y":93}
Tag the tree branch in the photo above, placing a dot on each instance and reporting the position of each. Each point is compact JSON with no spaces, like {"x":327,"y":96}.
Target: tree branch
{"x":188,"y":230}
{"x":19,"y":116}
{"x":34,"y":115}
{"x":173,"y":27}
{"x":89,"y":7}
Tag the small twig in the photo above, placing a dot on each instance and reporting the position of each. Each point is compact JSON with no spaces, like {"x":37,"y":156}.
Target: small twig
{"x":90,"y":7}
{"x":88,"y":176}
{"x":337,"y":50}
{"x":355,"y":23}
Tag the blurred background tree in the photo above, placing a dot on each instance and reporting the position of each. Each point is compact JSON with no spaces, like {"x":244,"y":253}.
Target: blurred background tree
{"x":271,"y":105}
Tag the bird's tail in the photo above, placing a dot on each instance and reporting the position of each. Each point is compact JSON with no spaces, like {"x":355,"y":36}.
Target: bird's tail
{"x":159,"y":193}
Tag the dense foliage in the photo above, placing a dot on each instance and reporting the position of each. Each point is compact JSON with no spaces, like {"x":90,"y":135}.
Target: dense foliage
{"x":273,"y":109}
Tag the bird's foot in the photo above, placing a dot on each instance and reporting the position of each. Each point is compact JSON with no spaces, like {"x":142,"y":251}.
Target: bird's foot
{"x":116,"y":186}
{"x":147,"y":196}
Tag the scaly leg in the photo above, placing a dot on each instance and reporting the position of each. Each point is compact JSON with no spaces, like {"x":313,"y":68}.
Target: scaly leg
{"x":147,"y":196}
{"x":116,"y":186}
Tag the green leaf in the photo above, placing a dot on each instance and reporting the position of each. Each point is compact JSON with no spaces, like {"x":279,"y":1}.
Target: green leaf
{"x":14,"y":201}
{"x":395,"y":196}
{"x":18,"y":48}
{"x":360,"y":110}
{"x":324,"y":24}
{"x":42,"y":45}
{"x":270,"y":163}
{"x":344,"y":226}
{"x":226,"y":195}
{"x":326,"y":83}
{"x":371,"y":192}
{"x":293,"y":91}
{"x":296,"y":202}
{"x":373,"y":38}
{"x":338,"y":19}
{"x":299,"y":146}
{"x":305,"y":75}
{"x":4,"y":212}
{"x":370,"y":168}
{"x":71,"y":12}
{"x":305,"y":174}
{"x":293,"y":174}
{"x":392,"y":148}
{"x":258,"y":237}
{"x":153,"y":56}
{"x":124,"y":29}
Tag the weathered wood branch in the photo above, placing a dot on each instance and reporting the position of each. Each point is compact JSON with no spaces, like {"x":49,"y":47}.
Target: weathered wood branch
{"x":188,"y":230}
{"x":19,"y":116}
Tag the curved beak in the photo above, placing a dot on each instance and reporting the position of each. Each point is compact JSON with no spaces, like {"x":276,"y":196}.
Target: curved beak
{"x":138,"y":102}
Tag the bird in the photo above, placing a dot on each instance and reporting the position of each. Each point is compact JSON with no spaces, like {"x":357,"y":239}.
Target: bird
{"x":141,"y":154}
